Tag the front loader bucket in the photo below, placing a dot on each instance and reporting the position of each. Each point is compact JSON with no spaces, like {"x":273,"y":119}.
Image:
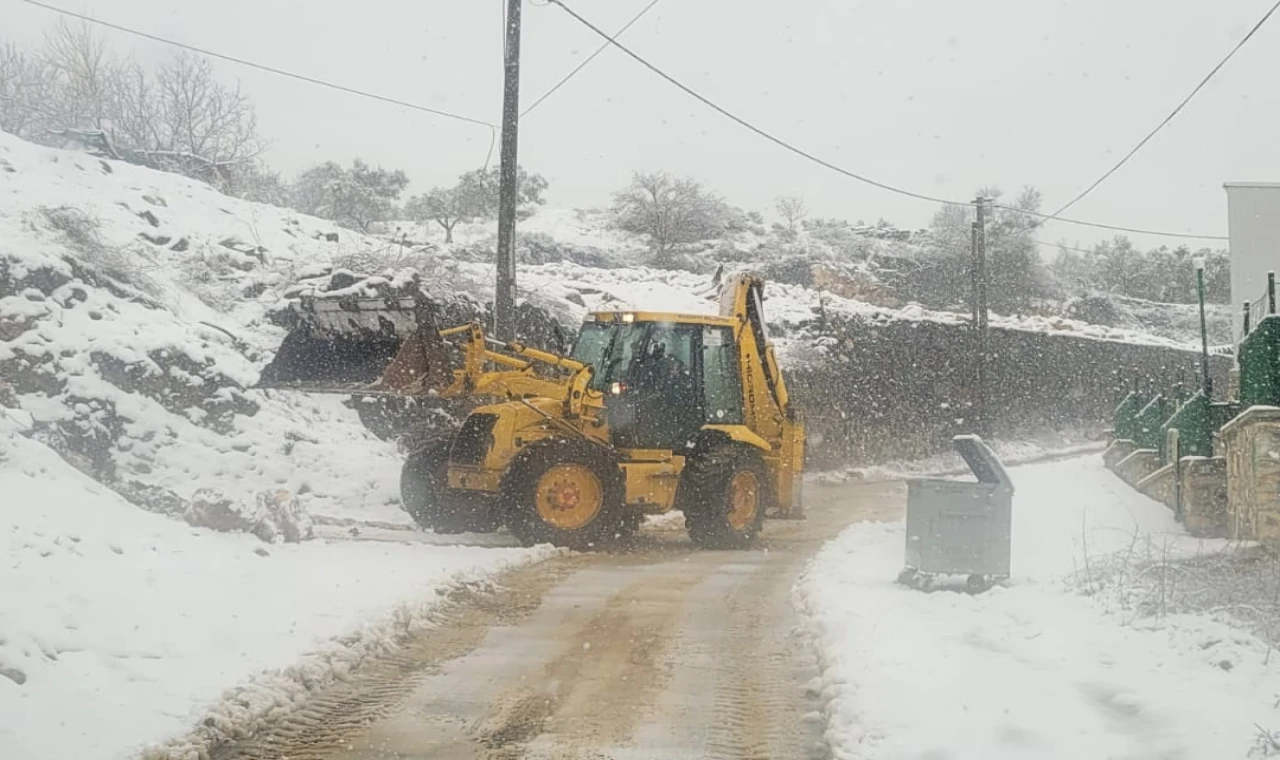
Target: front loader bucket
{"x":367,"y":346}
{"x":421,"y":364}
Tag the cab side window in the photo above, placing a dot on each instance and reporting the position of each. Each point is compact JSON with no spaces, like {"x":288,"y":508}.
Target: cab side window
{"x":721,"y":383}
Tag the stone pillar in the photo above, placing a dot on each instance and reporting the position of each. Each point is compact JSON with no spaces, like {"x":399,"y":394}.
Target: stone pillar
{"x":1204,"y":496}
{"x":1252,"y":445}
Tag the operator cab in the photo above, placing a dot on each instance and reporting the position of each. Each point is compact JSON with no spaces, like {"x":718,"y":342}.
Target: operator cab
{"x":662,"y":380}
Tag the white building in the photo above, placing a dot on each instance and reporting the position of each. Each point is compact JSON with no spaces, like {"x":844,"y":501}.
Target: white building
{"x":1253,"y":224}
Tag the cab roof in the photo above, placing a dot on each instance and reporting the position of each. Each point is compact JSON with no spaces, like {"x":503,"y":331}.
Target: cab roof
{"x":660,"y":316}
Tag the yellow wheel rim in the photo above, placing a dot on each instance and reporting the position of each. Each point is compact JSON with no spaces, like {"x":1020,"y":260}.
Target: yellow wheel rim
{"x":569,"y":496}
{"x":744,"y":500}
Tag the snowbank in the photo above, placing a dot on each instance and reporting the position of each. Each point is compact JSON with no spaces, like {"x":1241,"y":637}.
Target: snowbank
{"x":1049,"y":446}
{"x":1031,"y":670}
{"x":120,"y":628}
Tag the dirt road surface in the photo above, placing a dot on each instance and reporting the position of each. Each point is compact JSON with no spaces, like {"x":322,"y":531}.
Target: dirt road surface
{"x":659,"y":651}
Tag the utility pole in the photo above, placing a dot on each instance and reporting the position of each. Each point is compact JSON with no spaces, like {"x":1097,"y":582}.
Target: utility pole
{"x":973,"y":274}
{"x":980,"y":312}
{"x":1206,"y":379}
{"x":504,"y":300}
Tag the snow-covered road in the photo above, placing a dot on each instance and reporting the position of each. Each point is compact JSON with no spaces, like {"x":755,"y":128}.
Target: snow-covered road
{"x":1033,"y":670}
{"x":120,"y":628}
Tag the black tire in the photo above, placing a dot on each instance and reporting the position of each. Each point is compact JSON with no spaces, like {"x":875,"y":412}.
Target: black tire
{"x":707,"y":489}
{"x":425,"y":494}
{"x":531,"y":470}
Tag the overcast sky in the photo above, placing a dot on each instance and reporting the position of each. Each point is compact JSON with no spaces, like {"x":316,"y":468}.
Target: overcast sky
{"x":934,"y":95}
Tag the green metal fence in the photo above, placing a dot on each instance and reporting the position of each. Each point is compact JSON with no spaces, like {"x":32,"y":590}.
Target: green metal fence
{"x":1259,"y":352}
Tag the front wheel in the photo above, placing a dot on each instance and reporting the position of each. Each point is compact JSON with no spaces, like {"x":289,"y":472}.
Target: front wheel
{"x":564,"y":492}
{"x":425,"y":494}
{"x":725,"y":492}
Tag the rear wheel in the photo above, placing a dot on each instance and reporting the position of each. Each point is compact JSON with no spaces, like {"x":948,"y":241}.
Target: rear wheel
{"x":564,"y":492}
{"x":426,"y":496}
{"x":724,"y":494}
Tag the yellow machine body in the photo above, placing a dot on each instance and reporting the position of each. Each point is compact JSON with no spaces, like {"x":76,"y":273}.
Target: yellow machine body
{"x":584,"y":399}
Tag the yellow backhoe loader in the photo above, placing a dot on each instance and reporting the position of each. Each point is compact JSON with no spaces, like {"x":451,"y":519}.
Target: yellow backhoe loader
{"x":649,"y":412}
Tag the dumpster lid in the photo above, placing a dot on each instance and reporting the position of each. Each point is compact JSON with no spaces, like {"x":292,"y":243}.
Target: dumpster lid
{"x":982,"y":460}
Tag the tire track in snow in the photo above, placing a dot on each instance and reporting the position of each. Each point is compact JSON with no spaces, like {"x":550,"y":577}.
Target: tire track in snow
{"x":331,"y":716}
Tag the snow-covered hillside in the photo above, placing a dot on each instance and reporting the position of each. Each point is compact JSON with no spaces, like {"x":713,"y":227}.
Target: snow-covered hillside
{"x":131,"y":326}
{"x":847,"y":264}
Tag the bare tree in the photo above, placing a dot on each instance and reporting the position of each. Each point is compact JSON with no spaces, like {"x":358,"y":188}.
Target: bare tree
{"x":136,"y":109}
{"x":176,"y":117}
{"x":792,"y":209}
{"x":26,"y":83}
{"x":670,"y":211}
{"x":84,"y":75}
{"x":183,"y":120}
{"x":202,"y":118}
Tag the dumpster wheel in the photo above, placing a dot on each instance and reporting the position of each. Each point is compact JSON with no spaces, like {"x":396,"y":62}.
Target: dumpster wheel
{"x":976,"y":584}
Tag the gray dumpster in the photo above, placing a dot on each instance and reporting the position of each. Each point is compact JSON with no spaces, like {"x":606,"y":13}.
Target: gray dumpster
{"x":960,"y":528}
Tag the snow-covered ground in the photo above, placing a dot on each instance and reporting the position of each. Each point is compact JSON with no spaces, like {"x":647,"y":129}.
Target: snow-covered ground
{"x":1034,"y":669}
{"x":120,"y":628}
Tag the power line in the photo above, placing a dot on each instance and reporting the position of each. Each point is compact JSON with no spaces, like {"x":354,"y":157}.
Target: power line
{"x":1047,"y":244}
{"x":1172,"y":113}
{"x":748,"y":125}
{"x":840,"y":170}
{"x":272,"y":70}
{"x":1060,"y":246}
{"x":589,"y":58}
{"x":1101,"y":226}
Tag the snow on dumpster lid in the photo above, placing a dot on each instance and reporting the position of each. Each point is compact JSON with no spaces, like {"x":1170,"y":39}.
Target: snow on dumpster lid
{"x":982,"y":460}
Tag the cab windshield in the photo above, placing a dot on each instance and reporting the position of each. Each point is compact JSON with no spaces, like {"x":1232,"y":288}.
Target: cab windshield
{"x":612,"y":363}
{"x":592,"y":342}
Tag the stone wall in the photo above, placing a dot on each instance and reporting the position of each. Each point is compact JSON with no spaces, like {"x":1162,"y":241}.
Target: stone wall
{"x":877,"y":391}
{"x":1252,"y":443}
